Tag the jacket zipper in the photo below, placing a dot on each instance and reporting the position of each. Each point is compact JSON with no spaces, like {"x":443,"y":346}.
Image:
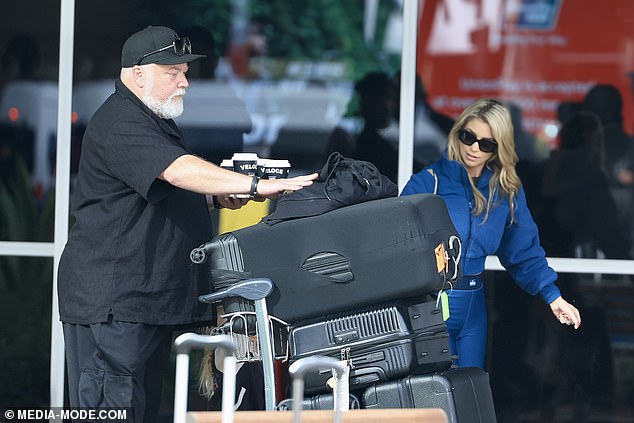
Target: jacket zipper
{"x":469,"y":195}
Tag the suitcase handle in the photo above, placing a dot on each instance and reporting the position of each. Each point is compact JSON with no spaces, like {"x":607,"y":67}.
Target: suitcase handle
{"x":183,"y":345}
{"x":298,"y":369}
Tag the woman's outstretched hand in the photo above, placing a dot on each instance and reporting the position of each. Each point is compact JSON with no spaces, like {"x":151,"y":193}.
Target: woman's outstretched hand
{"x":565,"y":312}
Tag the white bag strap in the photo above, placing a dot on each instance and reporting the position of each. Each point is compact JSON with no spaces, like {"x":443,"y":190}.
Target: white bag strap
{"x":452,"y":239}
{"x":432,"y":173}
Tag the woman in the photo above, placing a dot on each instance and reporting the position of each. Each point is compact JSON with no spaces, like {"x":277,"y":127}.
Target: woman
{"x":477,"y":179}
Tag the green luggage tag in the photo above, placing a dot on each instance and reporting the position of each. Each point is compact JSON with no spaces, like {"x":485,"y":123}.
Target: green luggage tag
{"x":444,"y":304}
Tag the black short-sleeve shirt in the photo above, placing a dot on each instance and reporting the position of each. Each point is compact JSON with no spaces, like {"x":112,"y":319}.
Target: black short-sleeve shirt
{"x":128,"y":251}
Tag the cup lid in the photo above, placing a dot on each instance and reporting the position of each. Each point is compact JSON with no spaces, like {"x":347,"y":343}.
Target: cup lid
{"x":245,"y":156}
{"x":277,"y":162}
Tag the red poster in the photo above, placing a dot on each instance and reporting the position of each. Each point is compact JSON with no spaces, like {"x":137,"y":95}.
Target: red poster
{"x":533,"y":53}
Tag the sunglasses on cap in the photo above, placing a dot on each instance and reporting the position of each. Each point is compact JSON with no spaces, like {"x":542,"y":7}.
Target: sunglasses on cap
{"x":181,"y":46}
{"x":486,"y":145}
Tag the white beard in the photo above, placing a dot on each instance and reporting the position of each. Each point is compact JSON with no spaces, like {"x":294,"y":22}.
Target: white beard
{"x":168,"y":109}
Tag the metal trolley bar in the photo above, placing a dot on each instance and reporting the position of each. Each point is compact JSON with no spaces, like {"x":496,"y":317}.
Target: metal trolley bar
{"x":183,"y":345}
{"x":255,"y":290}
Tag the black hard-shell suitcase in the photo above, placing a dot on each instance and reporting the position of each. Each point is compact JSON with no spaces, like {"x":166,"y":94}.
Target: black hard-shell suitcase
{"x":464,"y":393}
{"x":344,"y":259}
{"x":380,"y":343}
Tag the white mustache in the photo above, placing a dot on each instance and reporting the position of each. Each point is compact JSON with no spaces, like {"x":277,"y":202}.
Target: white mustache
{"x":181,"y":92}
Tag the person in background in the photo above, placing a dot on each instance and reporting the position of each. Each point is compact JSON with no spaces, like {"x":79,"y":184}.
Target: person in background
{"x":20,"y":59}
{"x":376,"y":103}
{"x":477,"y":179}
{"x":580,"y":215}
{"x":376,"y":142}
{"x":125,"y":281}
{"x":606,"y":101}
{"x":431,"y":127}
{"x":203,"y":38}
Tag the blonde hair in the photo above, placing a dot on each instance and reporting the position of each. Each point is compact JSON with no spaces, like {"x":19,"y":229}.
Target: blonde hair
{"x":502,"y":162}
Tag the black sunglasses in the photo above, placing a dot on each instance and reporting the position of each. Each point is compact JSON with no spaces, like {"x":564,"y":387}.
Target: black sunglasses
{"x":181,"y":46}
{"x":487,"y":145}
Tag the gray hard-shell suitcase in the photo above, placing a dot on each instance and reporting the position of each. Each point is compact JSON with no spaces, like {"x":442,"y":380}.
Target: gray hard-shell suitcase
{"x":464,"y":393}
{"x":381,"y":343}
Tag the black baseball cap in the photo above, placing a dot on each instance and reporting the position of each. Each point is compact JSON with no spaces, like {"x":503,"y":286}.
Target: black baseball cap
{"x":156,"y":44}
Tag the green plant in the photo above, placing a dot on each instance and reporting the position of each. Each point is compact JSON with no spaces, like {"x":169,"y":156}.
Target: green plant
{"x":310,"y":30}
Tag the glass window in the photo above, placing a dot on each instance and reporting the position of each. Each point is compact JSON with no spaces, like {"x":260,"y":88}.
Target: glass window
{"x":25,"y":330}
{"x":570,"y":94}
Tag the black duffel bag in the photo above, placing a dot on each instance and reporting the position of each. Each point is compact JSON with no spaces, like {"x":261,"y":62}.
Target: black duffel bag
{"x":342,"y":181}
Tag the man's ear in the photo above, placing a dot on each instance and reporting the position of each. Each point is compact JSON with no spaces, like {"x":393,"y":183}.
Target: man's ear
{"x":138,"y":74}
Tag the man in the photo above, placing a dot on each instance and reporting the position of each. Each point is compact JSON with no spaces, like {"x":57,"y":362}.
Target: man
{"x":125,"y":279}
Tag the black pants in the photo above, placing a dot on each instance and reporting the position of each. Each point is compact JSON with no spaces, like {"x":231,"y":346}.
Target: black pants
{"x":117,"y":365}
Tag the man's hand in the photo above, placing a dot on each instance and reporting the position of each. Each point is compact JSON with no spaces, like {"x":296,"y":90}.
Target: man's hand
{"x":267,"y":188}
{"x":271,"y":188}
{"x":231,"y":202}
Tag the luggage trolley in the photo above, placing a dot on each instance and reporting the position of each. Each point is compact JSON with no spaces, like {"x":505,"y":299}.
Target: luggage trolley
{"x":257,"y":347}
{"x":188,"y":341}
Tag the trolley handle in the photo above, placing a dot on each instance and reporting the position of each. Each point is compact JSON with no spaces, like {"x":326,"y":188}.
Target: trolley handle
{"x":298,"y":369}
{"x":250,"y":289}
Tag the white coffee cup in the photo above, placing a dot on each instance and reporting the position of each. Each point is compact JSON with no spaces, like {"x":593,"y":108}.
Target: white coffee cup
{"x":246,"y":163}
{"x":227,"y":164}
{"x":276,"y":169}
